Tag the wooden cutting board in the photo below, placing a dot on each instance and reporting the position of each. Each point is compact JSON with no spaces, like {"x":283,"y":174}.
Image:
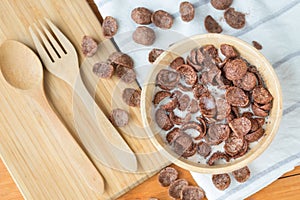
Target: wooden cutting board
{"x":21,"y":117}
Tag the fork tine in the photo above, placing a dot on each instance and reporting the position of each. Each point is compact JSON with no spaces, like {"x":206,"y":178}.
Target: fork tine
{"x":67,"y":45}
{"x":53,"y":41}
{"x":39,"y":47}
{"x":47,"y":44}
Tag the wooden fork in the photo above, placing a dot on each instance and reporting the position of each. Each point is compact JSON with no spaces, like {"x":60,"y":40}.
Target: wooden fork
{"x":104,"y":142}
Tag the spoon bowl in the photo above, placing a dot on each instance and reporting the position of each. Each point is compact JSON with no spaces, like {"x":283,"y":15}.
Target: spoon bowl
{"x":20,"y":68}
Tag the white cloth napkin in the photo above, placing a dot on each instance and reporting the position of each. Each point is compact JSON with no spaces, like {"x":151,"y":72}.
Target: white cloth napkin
{"x":274,"y":24}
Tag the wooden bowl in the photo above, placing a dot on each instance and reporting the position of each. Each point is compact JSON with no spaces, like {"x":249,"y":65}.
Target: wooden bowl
{"x":246,"y":51}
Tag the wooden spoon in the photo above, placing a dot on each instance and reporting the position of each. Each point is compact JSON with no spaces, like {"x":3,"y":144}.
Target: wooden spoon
{"x":23,"y":70}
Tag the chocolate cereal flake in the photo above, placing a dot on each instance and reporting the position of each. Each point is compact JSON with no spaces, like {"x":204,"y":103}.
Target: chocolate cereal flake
{"x":236,"y":97}
{"x":177,"y":62}
{"x":163,"y":120}
{"x":167,"y":79}
{"x":162,"y":19}
{"x":221,"y":181}
{"x":141,"y":15}
{"x":229,"y":51}
{"x":235,"y":69}
{"x":172,"y":135}
{"x":88,"y":46}
{"x":217,"y":133}
{"x":247,"y":83}
{"x":183,"y":102}
{"x":192,"y":193}
{"x":234,"y":18}
{"x":119,"y":58}
{"x":216,"y":156}
{"x":240,"y":126}
{"x":176,"y":187}
{"x":159,"y":96}
{"x":188,"y":73}
{"x":187,"y":11}
{"x":119,"y":117}
{"x":223,"y":109}
{"x":132,"y":97}
{"x":154,"y":54}
{"x":103,"y":69}
{"x":211,"y":25}
{"x":167,"y":176}
{"x":144,"y":35}
{"x":233,"y":145}
{"x":257,"y":45}
{"x":109,"y":27}
{"x":184,"y":145}
{"x":241,"y":175}
{"x":203,"y":149}
{"x":193,"y":107}
{"x":258,"y":111}
{"x":221,"y":4}
{"x":127,"y":75}
{"x":261,"y":95}
{"x":255,"y":136}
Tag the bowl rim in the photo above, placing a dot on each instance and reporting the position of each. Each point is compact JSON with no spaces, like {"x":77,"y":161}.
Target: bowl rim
{"x":239,"y":162}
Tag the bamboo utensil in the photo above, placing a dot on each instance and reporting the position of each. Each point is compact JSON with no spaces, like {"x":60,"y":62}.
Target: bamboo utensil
{"x":23,"y":70}
{"x":104,"y":142}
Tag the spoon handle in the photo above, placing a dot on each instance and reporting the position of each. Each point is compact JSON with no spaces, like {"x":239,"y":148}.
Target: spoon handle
{"x":75,"y":155}
{"x":105,"y":131}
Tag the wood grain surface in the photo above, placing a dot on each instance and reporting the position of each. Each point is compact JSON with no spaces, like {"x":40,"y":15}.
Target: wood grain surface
{"x":40,"y":171}
{"x":287,"y":187}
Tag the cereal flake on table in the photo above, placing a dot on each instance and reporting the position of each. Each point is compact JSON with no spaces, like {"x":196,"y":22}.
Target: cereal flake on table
{"x":141,"y":15}
{"x":117,"y":63}
{"x":179,"y":188}
{"x":187,"y":11}
{"x":162,"y":19}
{"x":257,"y":45}
{"x":109,"y":27}
{"x":144,"y":35}
{"x":88,"y":46}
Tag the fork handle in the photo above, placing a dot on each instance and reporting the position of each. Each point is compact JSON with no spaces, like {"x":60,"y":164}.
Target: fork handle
{"x":105,"y":130}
